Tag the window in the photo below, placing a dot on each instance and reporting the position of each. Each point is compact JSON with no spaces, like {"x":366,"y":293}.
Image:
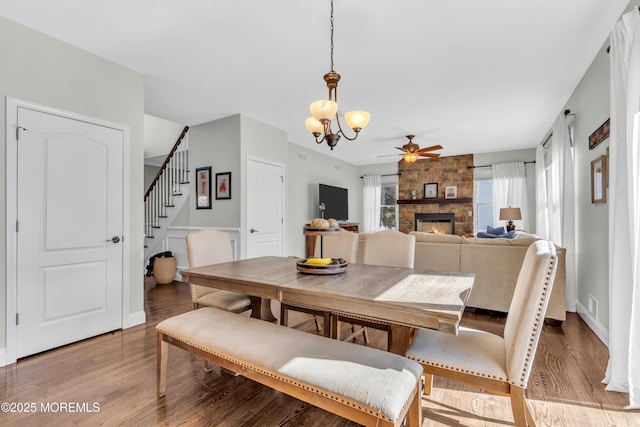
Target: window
{"x":389,"y":203}
{"x":483,"y":200}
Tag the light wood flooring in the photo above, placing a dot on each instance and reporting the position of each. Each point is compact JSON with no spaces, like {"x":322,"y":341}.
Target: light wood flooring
{"x":116,"y":372}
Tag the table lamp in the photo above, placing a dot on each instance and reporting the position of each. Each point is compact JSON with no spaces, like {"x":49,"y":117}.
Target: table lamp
{"x":510,"y":214}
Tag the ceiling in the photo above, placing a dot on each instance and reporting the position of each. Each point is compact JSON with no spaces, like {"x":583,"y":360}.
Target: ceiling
{"x":473,"y":76}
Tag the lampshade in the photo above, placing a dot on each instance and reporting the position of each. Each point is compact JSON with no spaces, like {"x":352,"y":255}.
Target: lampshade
{"x":357,"y":120}
{"x":510,"y":214}
{"x":324,"y":109}
{"x":313,"y":125}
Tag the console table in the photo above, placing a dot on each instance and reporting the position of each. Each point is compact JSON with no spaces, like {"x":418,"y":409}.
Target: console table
{"x":311,"y":240}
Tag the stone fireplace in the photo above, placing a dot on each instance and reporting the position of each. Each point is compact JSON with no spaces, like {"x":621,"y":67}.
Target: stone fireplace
{"x":435,"y":222}
{"x":447,"y":171}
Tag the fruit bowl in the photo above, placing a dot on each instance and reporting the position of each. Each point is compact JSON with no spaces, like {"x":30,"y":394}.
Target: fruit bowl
{"x":338,"y":265}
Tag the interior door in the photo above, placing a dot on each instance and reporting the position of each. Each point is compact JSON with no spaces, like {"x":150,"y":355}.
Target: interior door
{"x":70,"y":219}
{"x":265,"y":208}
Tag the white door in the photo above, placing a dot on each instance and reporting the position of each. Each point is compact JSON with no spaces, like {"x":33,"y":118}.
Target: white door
{"x":265,"y":208}
{"x":70,"y":206}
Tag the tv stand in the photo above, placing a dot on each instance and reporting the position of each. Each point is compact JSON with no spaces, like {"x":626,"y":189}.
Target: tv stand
{"x":311,"y":240}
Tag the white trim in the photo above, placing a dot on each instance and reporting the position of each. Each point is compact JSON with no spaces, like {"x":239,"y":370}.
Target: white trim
{"x":11,"y":161}
{"x":3,"y":357}
{"x":135,"y":319}
{"x":593,"y":323}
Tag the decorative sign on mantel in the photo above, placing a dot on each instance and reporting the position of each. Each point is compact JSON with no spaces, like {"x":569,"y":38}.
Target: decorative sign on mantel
{"x":599,"y":135}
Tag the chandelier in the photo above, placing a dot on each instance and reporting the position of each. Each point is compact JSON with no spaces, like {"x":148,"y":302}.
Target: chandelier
{"x":324,"y":111}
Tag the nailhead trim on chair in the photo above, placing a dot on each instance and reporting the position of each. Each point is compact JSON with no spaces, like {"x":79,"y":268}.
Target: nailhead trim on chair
{"x":536,"y":325}
{"x":347,"y":316}
{"x":532,"y":339}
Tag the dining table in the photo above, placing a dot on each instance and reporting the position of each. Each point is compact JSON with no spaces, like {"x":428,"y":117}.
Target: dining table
{"x":404,"y":298}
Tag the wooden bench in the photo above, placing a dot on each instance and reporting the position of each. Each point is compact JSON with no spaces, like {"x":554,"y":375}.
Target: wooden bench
{"x":365,"y":385}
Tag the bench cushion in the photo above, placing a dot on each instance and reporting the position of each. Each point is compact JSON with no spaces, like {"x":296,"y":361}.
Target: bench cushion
{"x":383,"y":382}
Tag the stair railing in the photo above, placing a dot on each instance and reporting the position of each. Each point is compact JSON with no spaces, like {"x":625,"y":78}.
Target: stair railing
{"x":167,"y":183}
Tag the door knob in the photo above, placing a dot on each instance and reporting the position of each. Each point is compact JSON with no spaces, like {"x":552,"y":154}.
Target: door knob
{"x":114,"y":239}
{"x":253,"y":230}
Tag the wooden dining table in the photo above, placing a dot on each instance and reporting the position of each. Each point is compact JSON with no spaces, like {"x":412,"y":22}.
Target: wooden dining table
{"x":405,"y":298}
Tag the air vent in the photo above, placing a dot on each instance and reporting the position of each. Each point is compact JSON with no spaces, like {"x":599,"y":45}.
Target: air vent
{"x":302,"y":156}
{"x":337,"y":167}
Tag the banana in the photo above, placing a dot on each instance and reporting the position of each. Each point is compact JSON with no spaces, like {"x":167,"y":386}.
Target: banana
{"x":319,"y":261}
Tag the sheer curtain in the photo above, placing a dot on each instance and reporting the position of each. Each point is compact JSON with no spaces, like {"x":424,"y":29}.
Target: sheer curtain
{"x":542,"y":196}
{"x":371,"y":203}
{"x":623,"y":370}
{"x":509,"y":190}
{"x":555,"y":202}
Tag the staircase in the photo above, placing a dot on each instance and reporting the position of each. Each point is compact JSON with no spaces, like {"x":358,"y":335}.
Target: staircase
{"x":166,"y":196}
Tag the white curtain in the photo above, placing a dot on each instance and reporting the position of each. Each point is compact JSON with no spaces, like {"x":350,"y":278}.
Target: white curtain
{"x":542,"y":202}
{"x":509,"y":190}
{"x":561,"y":202}
{"x":623,"y":370}
{"x":371,"y":203}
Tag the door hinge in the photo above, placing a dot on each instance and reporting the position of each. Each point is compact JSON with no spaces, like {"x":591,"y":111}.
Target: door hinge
{"x":17,"y":318}
{"x":17,"y":226}
{"x":281,"y":178}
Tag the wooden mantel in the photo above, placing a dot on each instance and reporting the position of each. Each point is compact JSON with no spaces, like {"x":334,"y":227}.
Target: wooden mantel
{"x":434,"y":201}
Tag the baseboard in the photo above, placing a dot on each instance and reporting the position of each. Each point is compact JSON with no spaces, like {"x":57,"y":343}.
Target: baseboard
{"x":597,"y":327}
{"x":3,"y":357}
{"x":136,"y":319}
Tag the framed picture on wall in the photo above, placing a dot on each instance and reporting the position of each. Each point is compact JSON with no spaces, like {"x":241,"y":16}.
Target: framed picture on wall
{"x":431,"y":190}
{"x":451,"y":192}
{"x":223,"y":186}
{"x":203,"y":187}
{"x":599,"y":179}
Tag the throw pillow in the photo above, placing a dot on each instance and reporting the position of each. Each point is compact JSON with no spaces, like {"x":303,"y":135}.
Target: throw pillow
{"x":497,"y":231}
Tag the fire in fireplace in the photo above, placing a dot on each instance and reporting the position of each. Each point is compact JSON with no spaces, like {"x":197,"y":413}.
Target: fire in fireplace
{"x":435,"y":222}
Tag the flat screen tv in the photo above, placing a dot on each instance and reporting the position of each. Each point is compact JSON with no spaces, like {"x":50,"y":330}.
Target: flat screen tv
{"x":336,"y":202}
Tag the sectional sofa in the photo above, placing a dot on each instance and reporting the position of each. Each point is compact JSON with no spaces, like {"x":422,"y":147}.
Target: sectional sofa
{"x":495,"y":262}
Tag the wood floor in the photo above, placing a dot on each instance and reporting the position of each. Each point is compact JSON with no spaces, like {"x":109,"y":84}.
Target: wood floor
{"x":110,"y":380}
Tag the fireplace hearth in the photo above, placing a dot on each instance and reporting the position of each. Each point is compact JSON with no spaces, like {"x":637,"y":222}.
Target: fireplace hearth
{"x":435,"y":223}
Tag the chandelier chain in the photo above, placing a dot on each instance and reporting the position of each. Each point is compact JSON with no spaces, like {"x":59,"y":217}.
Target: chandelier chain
{"x":332,"y":36}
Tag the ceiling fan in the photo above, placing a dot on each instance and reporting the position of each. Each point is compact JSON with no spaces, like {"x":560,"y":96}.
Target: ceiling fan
{"x":412,"y":151}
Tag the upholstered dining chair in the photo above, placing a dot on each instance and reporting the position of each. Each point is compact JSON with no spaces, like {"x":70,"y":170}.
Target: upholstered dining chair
{"x":490,"y":362}
{"x":343,"y":244}
{"x":388,"y":248}
{"x":206,"y":247}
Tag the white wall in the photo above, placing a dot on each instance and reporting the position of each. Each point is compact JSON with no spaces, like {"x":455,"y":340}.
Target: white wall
{"x":46,"y":71}
{"x":590,"y":103}
{"x":216,"y":144}
{"x":307,"y":169}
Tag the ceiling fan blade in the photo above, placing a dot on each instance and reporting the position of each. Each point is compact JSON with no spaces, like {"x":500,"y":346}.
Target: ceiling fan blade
{"x":434,"y":155}
{"x":433,"y":147}
{"x":401,"y":149}
{"x":389,"y":155}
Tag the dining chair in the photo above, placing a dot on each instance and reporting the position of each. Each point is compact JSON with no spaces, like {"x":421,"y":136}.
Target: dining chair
{"x":343,"y":244}
{"x":500,"y":365}
{"x":206,"y":247}
{"x":389,"y":248}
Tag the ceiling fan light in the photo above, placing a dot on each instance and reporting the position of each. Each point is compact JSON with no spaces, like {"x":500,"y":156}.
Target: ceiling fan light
{"x":357,"y":120}
{"x":410,"y":157}
{"x":325,"y":109}
{"x":314,"y":126}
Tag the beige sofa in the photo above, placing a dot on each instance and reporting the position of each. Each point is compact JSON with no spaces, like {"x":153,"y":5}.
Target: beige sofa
{"x":495,"y":262}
